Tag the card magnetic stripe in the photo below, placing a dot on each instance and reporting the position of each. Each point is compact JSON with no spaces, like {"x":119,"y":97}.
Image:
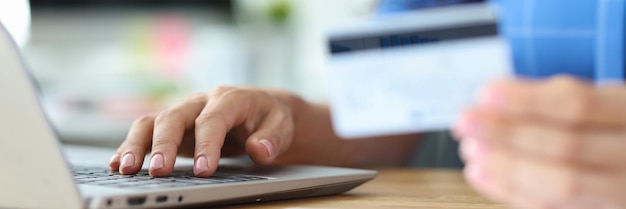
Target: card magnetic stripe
{"x":408,"y":37}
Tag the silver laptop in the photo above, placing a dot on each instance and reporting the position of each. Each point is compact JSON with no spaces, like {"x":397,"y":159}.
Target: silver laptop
{"x":39,"y":172}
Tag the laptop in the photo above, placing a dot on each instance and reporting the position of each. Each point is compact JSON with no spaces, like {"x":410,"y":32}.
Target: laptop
{"x":40,"y":172}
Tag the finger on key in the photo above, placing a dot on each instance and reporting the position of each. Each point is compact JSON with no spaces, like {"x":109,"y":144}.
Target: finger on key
{"x":129,"y":156}
{"x":211,"y":129}
{"x":232,"y":108}
{"x":169,"y":129}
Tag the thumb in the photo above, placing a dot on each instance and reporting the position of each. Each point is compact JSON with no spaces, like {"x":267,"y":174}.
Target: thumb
{"x":272,"y":137}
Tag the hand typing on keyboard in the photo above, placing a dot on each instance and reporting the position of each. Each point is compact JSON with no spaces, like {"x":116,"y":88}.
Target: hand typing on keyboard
{"x":228,"y":121}
{"x":261,"y":123}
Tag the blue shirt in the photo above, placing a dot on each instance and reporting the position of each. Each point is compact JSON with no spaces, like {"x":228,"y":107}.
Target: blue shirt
{"x":583,"y":38}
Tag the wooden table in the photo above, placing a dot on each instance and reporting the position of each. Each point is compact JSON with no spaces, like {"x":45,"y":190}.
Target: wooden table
{"x":397,"y":188}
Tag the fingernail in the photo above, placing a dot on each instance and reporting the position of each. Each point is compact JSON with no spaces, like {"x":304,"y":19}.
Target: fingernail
{"x":156,"y":162}
{"x":476,"y":174}
{"x":467,"y":126}
{"x":128,"y":161}
{"x":491,"y":98}
{"x":268,"y":146}
{"x":115,"y":158}
{"x":201,"y":166}
{"x":474,"y":149}
{"x":114,"y":162}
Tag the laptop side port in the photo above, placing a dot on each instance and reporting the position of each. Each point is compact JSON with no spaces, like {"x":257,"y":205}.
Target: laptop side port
{"x":161,"y":199}
{"x":136,"y":200}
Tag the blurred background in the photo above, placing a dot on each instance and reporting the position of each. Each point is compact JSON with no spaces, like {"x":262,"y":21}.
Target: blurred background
{"x":102,"y":63}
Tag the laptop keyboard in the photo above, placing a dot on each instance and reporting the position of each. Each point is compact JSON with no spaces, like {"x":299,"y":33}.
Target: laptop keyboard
{"x":143,"y":181}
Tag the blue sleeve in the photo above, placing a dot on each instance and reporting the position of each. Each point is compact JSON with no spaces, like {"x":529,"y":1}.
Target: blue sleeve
{"x":580,"y":38}
{"x":611,"y":43}
{"x":550,"y":37}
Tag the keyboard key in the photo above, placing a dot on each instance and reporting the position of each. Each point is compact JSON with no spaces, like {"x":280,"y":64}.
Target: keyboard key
{"x":143,"y":181}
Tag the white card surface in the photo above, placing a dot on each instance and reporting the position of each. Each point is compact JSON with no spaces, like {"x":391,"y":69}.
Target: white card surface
{"x":411,"y":89}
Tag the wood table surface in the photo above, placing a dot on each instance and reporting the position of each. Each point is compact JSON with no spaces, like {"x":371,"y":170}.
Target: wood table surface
{"x":397,"y":188}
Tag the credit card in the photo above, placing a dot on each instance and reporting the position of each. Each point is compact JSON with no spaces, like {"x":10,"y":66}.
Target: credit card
{"x":412,"y":77}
